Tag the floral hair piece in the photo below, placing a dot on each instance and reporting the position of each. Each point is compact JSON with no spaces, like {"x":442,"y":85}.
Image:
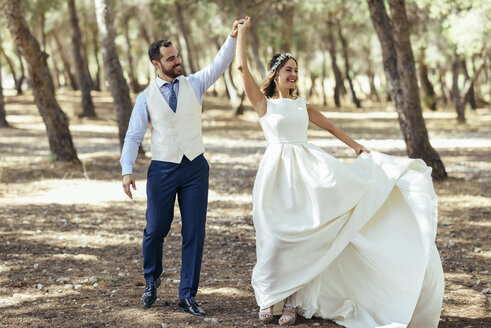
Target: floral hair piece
{"x":279,"y":60}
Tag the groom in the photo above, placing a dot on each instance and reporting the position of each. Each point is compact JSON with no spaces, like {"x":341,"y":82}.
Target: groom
{"x":172,"y":104}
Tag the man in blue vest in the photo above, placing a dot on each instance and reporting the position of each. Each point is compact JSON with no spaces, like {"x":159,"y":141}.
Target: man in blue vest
{"x":172,"y":104}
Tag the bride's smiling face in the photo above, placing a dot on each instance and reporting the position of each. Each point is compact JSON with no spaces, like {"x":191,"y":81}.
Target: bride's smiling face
{"x":287,"y":77}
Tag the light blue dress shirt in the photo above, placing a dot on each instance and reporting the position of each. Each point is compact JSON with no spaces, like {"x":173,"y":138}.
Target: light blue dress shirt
{"x":200,"y":81}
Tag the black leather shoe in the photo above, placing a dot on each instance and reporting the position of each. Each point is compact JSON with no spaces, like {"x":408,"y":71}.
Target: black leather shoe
{"x":189,"y":305}
{"x":150,"y":293}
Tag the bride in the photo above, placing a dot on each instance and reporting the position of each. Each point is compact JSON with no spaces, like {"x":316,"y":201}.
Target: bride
{"x":353,"y":243}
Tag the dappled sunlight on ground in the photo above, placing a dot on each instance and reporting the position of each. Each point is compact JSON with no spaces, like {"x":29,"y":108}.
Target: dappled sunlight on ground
{"x":70,"y":239}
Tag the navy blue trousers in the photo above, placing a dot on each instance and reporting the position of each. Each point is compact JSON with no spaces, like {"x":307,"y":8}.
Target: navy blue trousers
{"x":188,"y":181}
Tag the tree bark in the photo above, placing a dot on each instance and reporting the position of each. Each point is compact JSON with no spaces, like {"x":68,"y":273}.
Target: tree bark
{"x":66,"y":64}
{"x":255,"y":51}
{"x":331,"y":44}
{"x":400,"y":70}
{"x":42,"y":24}
{"x":470,"y":97}
{"x":54,"y":62}
{"x":3,"y":114}
{"x":313,"y":78}
{"x":429,"y":98}
{"x":443,"y":85}
{"x":144,"y":33}
{"x":112,"y":67}
{"x":20,"y":80}
{"x":185,"y":33}
{"x":131,"y":72}
{"x":85,"y":46}
{"x":457,"y":99}
{"x":84,"y":81}
{"x":344,"y":45}
{"x":60,"y":139}
{"x":236,"y":99}
{"x":373,"y":90}
{"x":97,"y":82}
{"x":10,"y":64}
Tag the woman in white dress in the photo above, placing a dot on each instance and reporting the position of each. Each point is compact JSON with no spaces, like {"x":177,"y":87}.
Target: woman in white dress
{"x":354,"y":243}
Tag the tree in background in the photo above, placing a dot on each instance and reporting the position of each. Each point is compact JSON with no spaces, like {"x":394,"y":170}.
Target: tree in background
{"x":60,"y":139}
{"x":84,"y":81}
{"x":400,"y":71}
{"x":112,"y":67}
{"x":464,"y":27}
{"x":3,"y":114}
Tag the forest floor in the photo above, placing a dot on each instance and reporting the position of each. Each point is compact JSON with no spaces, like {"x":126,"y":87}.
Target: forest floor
{"x":70,"y":240}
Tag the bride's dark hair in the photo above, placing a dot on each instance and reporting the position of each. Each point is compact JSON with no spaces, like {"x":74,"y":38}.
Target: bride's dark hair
{"x":268,"y":87}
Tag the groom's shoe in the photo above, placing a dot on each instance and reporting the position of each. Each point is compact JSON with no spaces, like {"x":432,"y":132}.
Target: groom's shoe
{"x":189,"y":305}
{"x":150,"y":293}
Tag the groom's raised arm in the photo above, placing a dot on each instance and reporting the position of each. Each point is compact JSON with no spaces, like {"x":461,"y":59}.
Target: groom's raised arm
{"x":203,"y":79}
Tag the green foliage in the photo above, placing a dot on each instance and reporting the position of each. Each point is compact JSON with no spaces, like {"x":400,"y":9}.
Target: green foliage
{"x":440,"y":26}
{"x":465,"y":24}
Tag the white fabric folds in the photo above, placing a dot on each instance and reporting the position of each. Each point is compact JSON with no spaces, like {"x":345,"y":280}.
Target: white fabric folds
{"x":354,"y":242}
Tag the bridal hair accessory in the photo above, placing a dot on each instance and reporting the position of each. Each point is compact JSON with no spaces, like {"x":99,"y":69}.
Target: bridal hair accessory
{"x":279,"y":60}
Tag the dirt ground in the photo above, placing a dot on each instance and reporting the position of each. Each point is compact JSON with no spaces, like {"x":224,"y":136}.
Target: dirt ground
{"x":70,"y":241}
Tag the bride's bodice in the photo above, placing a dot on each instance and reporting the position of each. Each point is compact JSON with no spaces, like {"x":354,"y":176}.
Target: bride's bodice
{"x":286,"y":121}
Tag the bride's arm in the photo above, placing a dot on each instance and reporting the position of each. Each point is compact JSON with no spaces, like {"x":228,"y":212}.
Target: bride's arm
{"x":256,"y":97}
{"x":321,"y":121}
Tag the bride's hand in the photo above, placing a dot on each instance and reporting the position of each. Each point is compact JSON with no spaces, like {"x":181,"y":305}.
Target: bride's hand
{"x":246,"y":24}
{"x":360,"y":149}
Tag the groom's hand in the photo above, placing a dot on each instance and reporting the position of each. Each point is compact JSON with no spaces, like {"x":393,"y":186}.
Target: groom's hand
{"x":246,"y":24}
{"x":128,"y":181}
{"x":235,"y":27}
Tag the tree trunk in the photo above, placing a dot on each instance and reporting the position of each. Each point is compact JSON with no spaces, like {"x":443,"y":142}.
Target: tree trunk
{"x":236,"y":99}
{"x":287,"y":14}
{"x":185,"y":33}
{"x":331,"y":44}
{"x":95,"y":32}
{"x":471,"y":97}
{"x":443,"y":85}
{"x":131,"y":72}
{"x":344,"y":44}
{"x":3,"y":114}
{"x":66,"y":63}
{"x":60,"y":139}
{"x":20,"y":80}
{"x":54,"y":62}
{"x":42,"y":23}
{"x":400,"y":70}
{"x":112,"y":67}
{"x":313,"y":78}
{"x":457,"y":99}
{"x":255,"y":51}
{"x":373,"y":90}
{"x":429,"y":98}
{"x":85,"y":46}
{"x":144,"y":33}
{"x":9,"y":63}
{"x":84,"y":81}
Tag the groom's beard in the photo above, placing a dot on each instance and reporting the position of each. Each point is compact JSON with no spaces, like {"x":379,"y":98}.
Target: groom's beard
{"x":174,"y":71}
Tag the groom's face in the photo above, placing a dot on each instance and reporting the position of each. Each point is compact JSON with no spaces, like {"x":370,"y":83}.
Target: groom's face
{"x":170,"y":62}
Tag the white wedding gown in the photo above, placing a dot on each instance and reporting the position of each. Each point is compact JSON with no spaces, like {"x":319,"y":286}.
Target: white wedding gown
{"x":354,"y":242}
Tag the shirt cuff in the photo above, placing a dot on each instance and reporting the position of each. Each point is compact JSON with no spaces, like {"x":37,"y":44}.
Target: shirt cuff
{"x":231,"y":39}
{"x":126,"y":169}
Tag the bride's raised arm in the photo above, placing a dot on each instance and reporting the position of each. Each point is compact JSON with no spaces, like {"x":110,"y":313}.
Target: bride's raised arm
{"x":256,"y":97}
{"x":317,"y":118}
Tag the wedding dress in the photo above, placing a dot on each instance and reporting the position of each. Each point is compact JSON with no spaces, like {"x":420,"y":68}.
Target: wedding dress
{"x":354,"y":243}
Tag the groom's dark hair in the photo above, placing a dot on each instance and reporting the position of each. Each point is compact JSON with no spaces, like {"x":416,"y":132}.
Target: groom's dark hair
{"x":154,"y":50}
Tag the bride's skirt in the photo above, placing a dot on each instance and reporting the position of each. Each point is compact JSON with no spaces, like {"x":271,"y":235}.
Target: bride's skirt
{"x":354,"y":243}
